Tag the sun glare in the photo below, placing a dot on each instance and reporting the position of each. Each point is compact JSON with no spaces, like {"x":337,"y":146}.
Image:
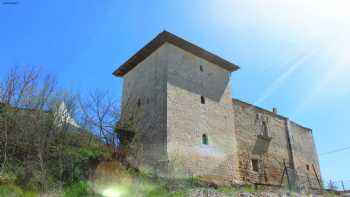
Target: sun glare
{"x":300,"y":11}
{"x":320,"y":24}
{"x":113,"y":192}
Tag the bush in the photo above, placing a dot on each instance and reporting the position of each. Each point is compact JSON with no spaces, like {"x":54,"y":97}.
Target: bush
{"x":76,"y":190}
{"x":10,"y":190}
{"x":30,"y":194}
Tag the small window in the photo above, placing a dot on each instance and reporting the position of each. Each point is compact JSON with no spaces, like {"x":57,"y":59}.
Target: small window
{"x":204,"y":139}
{"x":255,"y":165}
{"x":201,"y":68}
{"x":202,"y":100}
{"x":138,"y":102}
{"x":307,"y":167}
{"x":265,"y":129}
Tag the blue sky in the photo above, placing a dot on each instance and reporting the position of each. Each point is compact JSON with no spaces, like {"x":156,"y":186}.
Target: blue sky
{"x":293,"y":54}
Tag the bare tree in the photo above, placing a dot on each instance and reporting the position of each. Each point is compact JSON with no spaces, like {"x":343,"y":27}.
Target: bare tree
{"x":15,"y":92}
{"x":19,"y":86}
{"x":38,"y":132}
{"x":26,"y":119}
{"x":100,"y":114}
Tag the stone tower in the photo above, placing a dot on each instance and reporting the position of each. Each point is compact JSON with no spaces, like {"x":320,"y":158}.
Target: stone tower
{"x":180,"y":121}
{"x":177,"y":100}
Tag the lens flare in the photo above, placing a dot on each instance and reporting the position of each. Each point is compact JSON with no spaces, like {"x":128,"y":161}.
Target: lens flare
{"x":111,"y":179}
{"x":113,"y":192}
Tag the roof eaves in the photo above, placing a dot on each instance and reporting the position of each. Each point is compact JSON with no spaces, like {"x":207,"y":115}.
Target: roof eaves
{"x":159,"y":40}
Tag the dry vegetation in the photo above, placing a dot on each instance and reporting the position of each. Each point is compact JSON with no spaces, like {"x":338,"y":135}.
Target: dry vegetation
{"x":41,"y":146}
{"x":50,"y":149}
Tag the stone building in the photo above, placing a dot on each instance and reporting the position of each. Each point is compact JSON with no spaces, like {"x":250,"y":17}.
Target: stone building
{"x":177,"y":100}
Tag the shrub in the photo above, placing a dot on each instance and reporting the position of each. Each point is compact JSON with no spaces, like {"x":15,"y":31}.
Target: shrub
{"x":10,"y":190}
{"x":78,"y":189}
{"x":30,"y":194}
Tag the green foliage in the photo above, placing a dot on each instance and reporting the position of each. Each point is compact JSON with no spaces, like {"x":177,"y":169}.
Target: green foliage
{"x":41,"y":148}
{"x":248,"y":189}
{"x":126,"y":136}
{"x":79,"y":189}
{"x":159,"y":188}
{"x":51,"y":157}
{"x":146,"y":185}
{"x":163,"y":192}
{"x":80,"y":153}
{"x":228,"y":190}
{"x":10,"y":190}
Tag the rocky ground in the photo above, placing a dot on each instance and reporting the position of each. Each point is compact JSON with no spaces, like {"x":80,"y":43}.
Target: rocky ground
{"x":203,"y":192}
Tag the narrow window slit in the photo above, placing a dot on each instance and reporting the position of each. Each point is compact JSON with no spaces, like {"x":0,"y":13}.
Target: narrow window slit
{"x":138,"y":102}
{"x":202,"y":100}
{"x":255,"y":165}
{"x":204,"y":139}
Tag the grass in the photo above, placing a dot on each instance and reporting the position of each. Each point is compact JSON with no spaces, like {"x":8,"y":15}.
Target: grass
{"x":163,"y":192}
{"x":228,"y":190}
{"x":149,"y":187}
{"x":236,"y":190}
{"x":79,"y":189}
{"x":10,"y":190}
{"x":134,"y":184}
{"x":248,"y":189}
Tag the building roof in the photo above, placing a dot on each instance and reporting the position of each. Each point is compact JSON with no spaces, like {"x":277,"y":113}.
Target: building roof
{"x":269,"y":112}
{"x":168,"y":37}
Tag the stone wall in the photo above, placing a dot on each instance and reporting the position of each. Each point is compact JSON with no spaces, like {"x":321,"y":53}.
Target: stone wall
{"x":273,"y":151}
{"x":144,"y":110}
{"x":163,"y":103}
{"x":189,"y":78}
{"x":305,"y":156}
{"x":271,"y":160}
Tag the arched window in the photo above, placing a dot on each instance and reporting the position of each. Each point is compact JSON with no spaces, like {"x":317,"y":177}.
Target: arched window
{"x":204,"y":139}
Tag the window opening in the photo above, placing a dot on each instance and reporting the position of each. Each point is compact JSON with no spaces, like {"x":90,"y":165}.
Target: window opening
{"x":205,"y":139}
{"x":202,"y":100}
{"x":255,"y":165}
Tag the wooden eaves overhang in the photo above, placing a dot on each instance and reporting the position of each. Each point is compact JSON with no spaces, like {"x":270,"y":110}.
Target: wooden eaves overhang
{"x":159,"y":40}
